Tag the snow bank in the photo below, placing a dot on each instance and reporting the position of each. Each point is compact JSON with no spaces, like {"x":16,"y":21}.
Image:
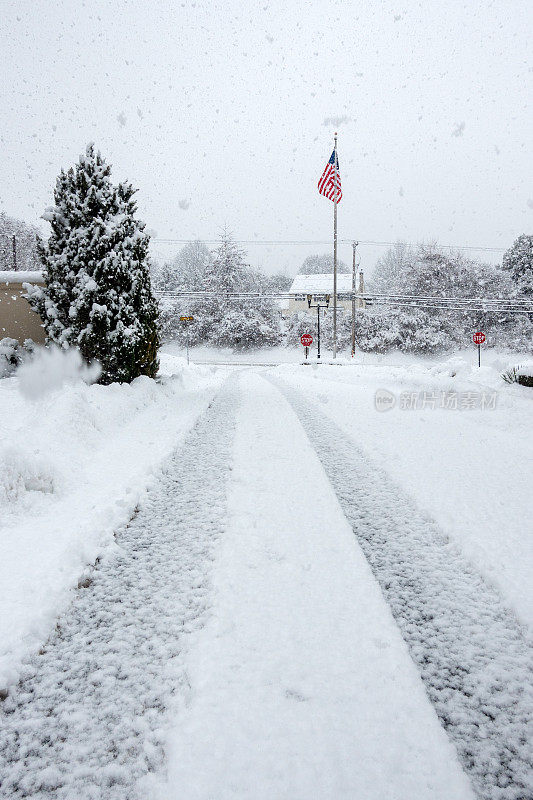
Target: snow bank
{"x":526,"y":369}
{"x":74,"y":463}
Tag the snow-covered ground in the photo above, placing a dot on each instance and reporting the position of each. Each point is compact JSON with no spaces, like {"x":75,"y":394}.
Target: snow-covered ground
{"x":300,"y":684}
{"x":74,"y":464}
{"x":257,"y":627}
{"x":470,"y":467}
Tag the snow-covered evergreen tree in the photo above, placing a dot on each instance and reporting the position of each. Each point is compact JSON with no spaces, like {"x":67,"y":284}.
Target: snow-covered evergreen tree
{"x":97,"y":295}
{"x":164,"y":276}
{"x":318,"y":265}
{"x":518,"y":262}
{"x":228,"y":270}
{"x":224,"y":321}
{"x":185,"y":272}
{"x":191,"y":265}
{"x":277,"y":283}
{"x":389,"y":272}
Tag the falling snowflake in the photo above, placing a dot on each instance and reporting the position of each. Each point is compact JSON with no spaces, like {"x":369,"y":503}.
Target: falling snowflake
{"x":458,"y":130}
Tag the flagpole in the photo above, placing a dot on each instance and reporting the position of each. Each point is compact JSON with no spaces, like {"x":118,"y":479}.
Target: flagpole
{"x":335,"y":257}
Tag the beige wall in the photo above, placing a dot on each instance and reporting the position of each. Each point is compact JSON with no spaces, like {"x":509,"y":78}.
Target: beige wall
{"x":17,"y":318}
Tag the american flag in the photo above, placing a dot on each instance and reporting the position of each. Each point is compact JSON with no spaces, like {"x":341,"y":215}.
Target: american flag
{"x":326,"y":184}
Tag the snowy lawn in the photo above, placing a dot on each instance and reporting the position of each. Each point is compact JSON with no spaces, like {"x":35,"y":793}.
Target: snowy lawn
{"x":74,"y":464}
{"x":470,"y":468}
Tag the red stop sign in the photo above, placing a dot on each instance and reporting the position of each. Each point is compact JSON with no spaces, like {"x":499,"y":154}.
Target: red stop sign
{"x":478,"y":338}
{"x":306,"y":340}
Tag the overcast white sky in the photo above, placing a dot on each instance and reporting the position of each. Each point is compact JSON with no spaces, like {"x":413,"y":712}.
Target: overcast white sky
{"x":221,"y":113}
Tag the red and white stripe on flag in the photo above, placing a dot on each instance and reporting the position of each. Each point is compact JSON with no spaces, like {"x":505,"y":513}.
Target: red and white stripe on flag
{"x":326,"y":184}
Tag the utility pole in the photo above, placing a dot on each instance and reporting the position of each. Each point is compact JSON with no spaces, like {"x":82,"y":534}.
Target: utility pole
{"x":335,"y":254}
{"x":354,"y":245}
{"x":14,"y":252}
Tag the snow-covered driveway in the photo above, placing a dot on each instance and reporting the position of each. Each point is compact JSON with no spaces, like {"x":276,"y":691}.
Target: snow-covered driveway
{"x":238,"y":644}
{"x":302,"y":686}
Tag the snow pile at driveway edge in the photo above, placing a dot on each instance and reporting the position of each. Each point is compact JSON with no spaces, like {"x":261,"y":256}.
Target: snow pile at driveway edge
{"x":74,"y":465}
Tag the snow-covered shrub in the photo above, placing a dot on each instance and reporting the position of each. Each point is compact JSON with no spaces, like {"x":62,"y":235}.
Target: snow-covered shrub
{"x":427,"y":272}
{"x":518,"y":262}
{"x":525,"y":375}
{"x":252,"y":325}
{"x":298,"y":324}
{"x":8,"y":356}
{"x":97,"y":295}
{"x":13,"y":354}
{"x":377,"y":330}
{"x":522,"y":374}
{"x":411,"y":330}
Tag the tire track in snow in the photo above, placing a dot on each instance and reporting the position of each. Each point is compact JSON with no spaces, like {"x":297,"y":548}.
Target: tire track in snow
{"x":474,"y":657}
{"x":86,"y":721}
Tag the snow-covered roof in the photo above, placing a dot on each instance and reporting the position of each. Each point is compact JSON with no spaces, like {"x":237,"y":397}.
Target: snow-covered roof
{"x":21,"y":276}
{"x":321,"y":283}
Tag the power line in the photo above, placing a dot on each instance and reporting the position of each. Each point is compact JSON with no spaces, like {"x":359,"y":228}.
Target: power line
{"x":479,"y":308}
{"x":368,"y":242}
{"x":377,"y":296}
{"x":458,"y":304}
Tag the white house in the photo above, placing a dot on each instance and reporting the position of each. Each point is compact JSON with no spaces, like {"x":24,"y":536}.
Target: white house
{"x":319,"y":285}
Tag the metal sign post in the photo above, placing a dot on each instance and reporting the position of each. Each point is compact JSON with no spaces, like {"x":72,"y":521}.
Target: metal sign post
{"x":318,"y":306}
{"x":478,"y":338}
{"x":307,"y":340}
